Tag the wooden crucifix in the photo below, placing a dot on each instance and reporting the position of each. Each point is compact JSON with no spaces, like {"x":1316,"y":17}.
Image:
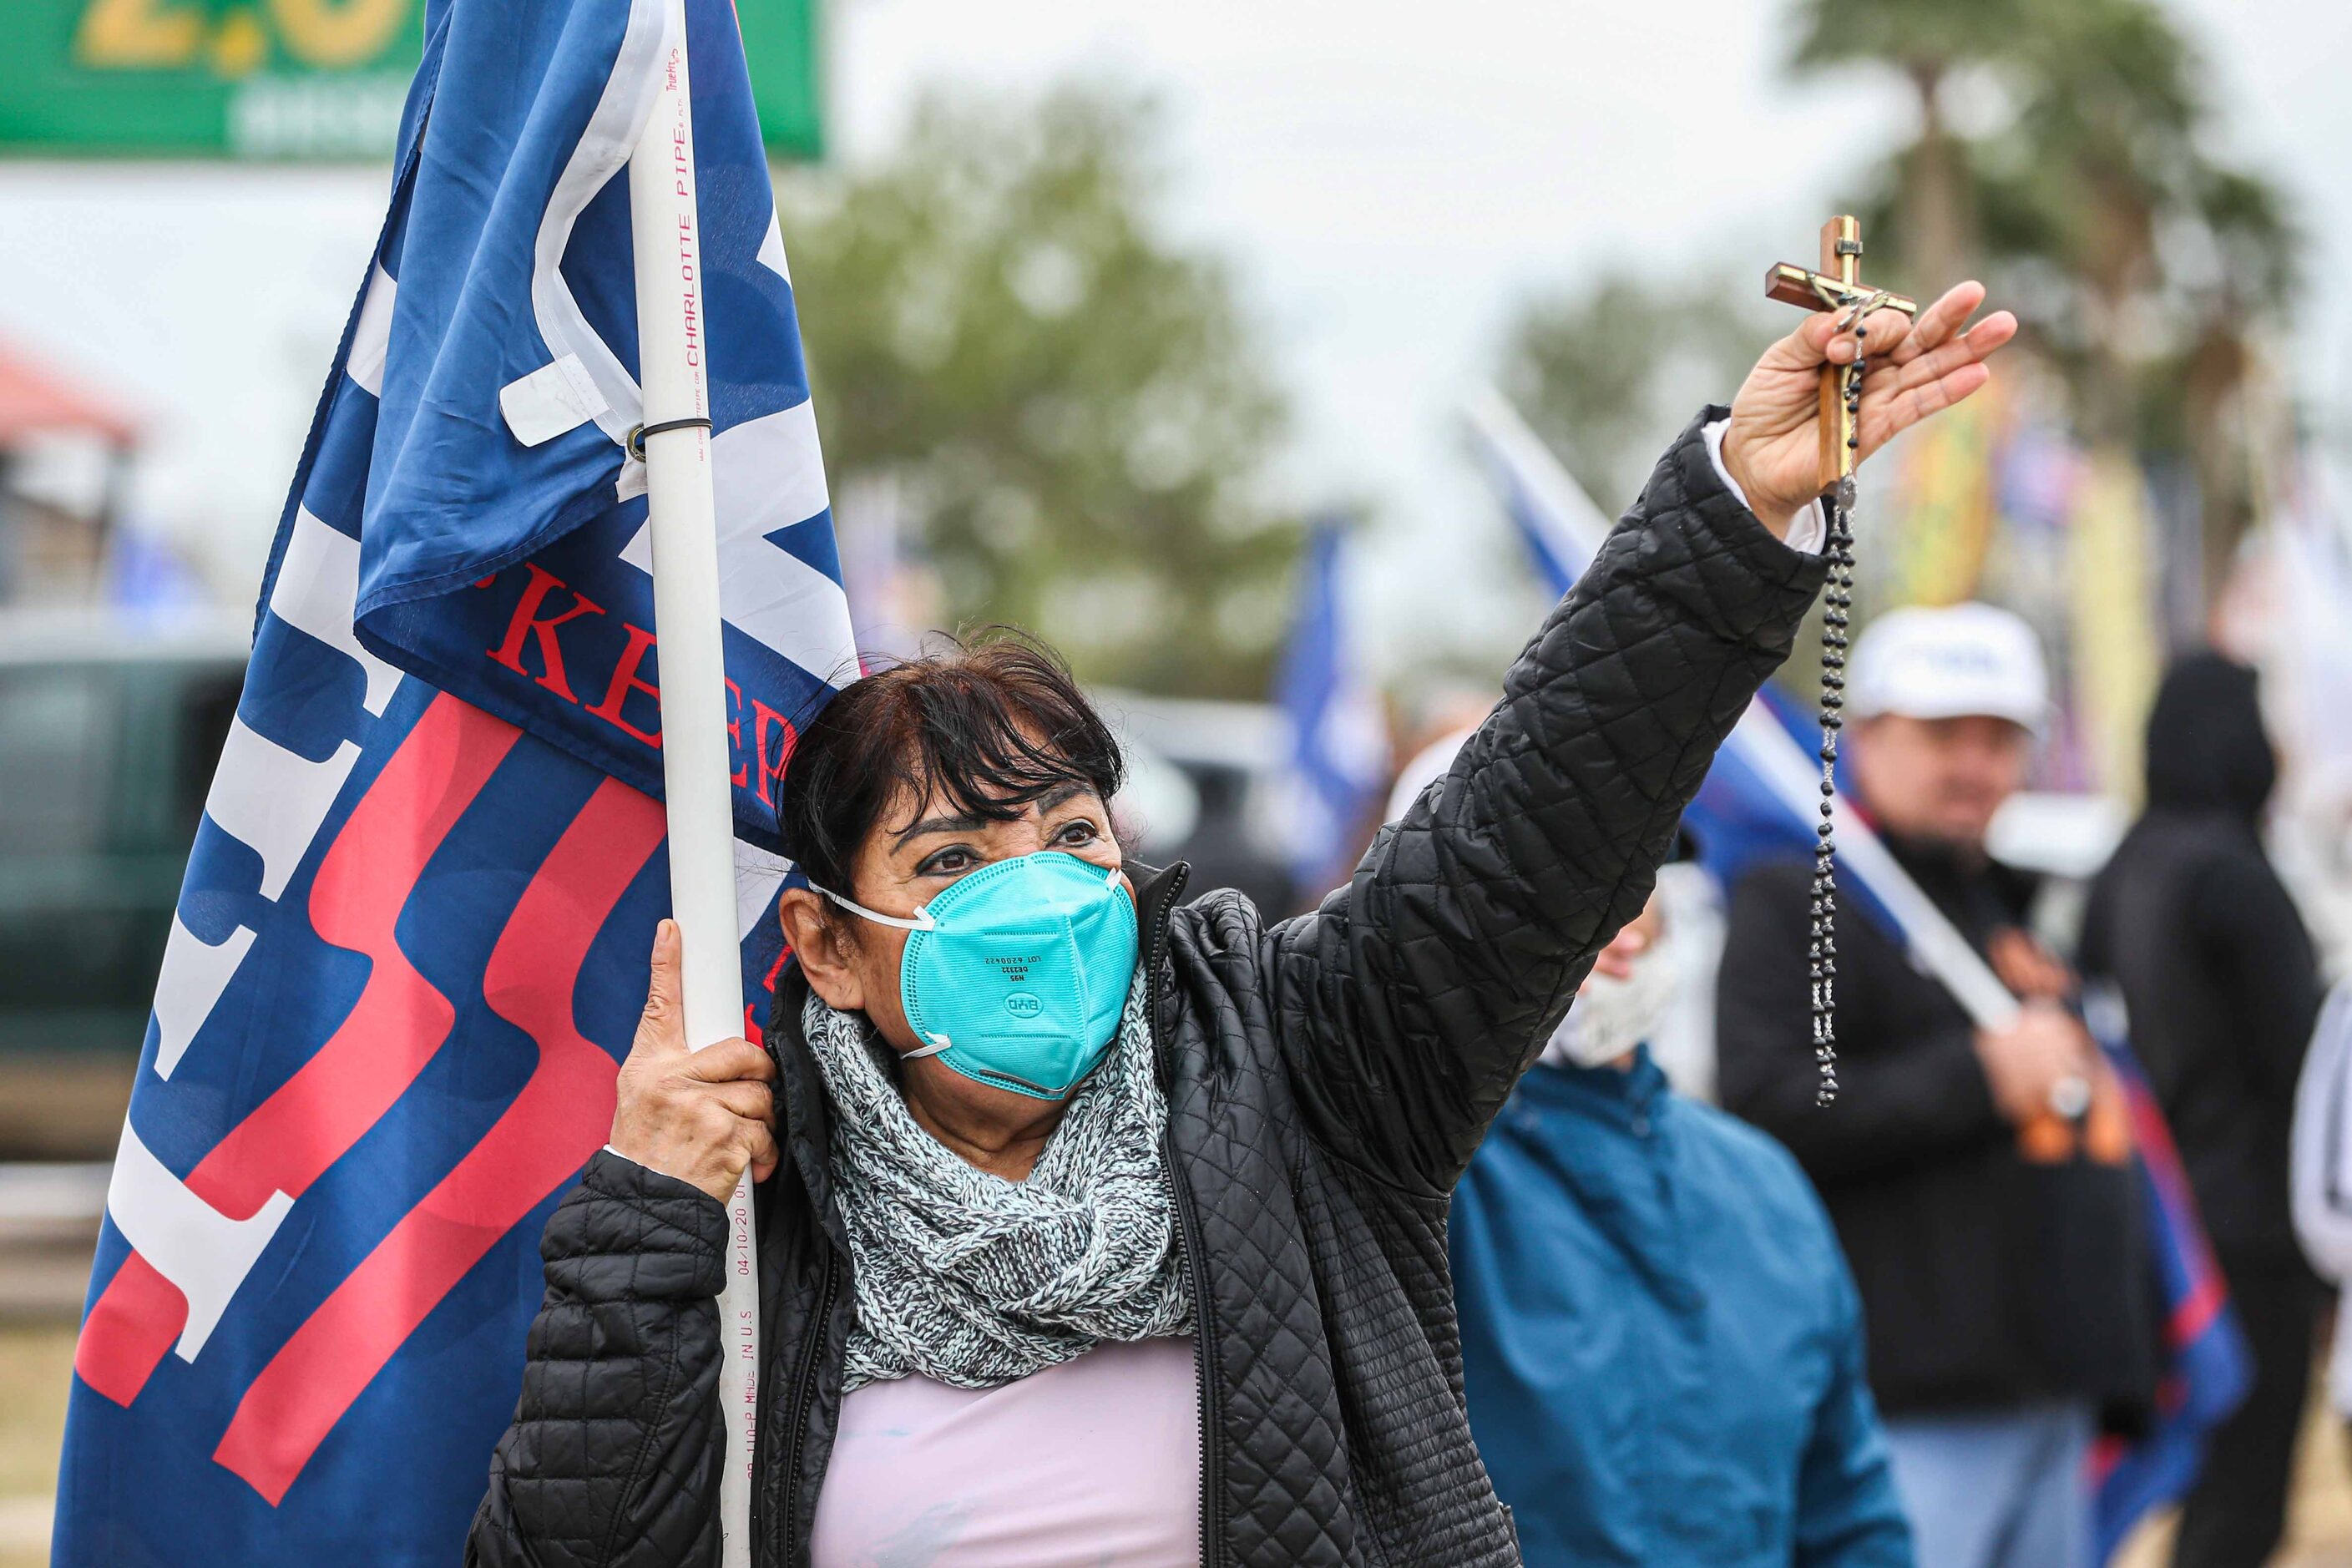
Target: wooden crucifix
{"x":1838,"y":286}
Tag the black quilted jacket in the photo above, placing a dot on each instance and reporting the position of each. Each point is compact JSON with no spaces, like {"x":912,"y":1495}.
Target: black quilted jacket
{"x":1328,"y":1078}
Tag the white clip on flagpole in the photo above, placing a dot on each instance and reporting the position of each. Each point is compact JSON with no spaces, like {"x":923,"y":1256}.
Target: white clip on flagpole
{"x":671,"y":328}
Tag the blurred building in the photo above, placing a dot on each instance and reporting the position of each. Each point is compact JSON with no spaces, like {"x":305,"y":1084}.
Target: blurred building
{"x":65,"y":455}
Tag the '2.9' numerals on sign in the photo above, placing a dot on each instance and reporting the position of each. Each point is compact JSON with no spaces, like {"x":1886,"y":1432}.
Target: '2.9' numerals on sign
{"x":171,"y":35}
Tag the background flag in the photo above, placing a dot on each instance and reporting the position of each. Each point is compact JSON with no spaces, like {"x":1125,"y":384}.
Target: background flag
{"x":2206,"y":1367}
{"x":1339,"y":765}
{"x":1761,"y":797}
{"x":2117,"y":641}
{"x":1940,"y":529}
{"x":410,"y":945}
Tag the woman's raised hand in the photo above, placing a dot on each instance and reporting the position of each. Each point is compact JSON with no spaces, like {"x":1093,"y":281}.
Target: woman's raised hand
{"x":1914,"y":369}
{"x":700,"y":1116}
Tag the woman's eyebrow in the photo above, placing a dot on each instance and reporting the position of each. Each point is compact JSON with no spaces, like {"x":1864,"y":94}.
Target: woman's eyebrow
{"x":965,"y":823}
{"x":1061,"y":794}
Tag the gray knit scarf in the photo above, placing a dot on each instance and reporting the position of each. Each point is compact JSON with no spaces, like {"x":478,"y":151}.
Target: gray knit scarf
{"x":975,"y":1280}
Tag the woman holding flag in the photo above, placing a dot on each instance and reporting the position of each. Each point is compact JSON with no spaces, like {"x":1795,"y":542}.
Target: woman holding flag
{"x":1098,"y":1227}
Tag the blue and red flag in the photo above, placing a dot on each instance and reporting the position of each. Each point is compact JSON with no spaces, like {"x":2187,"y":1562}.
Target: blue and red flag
{"x":2205,"y":1366}
{"x":1758,"y":802}
{"x":410,"y":945}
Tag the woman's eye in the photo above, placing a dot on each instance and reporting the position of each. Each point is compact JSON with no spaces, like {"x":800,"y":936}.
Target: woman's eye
{"x":946,"y":863}
{"x":1079,"y":832}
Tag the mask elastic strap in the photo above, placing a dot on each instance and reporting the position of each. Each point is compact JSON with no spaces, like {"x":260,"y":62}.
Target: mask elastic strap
{"x":922,"y":920}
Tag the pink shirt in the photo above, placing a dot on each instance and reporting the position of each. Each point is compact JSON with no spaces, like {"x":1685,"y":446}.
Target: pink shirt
{"x":1095,"y":1463}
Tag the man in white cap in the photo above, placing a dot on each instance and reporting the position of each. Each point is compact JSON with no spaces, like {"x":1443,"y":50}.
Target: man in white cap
{"x":1979,"y":1179}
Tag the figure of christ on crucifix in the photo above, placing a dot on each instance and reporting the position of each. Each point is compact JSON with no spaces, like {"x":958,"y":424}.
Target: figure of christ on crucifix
{"x":1797,"y":428}
{"x":1837,"y":287}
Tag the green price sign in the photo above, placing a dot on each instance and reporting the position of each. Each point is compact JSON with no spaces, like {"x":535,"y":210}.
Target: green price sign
{"x":287,"y":79}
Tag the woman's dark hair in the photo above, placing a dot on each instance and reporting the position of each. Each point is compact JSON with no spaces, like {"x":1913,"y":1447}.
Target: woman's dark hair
{"x":987,"y":725}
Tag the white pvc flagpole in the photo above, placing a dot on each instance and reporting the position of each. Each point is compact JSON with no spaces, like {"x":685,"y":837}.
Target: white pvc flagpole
{"x":671,"y":329}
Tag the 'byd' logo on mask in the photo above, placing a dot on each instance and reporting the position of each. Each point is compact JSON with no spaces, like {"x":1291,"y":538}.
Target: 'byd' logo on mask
{"x":1023,"y":1004}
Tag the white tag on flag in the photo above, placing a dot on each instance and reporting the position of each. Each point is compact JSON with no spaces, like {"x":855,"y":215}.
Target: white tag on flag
{"x":550,"y":400}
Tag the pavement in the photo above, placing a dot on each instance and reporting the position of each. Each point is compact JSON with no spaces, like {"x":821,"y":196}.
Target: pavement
{"x":2319,"y":1523}
{"x":36,"y":1371}
{"x":48,"y":1227}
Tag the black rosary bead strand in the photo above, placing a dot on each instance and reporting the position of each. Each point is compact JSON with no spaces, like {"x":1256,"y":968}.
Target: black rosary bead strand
{"x":1836,"y":618}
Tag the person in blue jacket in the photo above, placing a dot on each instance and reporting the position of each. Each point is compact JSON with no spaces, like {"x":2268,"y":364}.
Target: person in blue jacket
{"x":1661,"y":1344}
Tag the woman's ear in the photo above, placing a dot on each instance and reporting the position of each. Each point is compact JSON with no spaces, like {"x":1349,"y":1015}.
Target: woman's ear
{"x":822,"y":945}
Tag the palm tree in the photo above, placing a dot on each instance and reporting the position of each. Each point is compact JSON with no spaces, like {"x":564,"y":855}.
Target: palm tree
{"x":2146,"y":268}
{"x":1929,"y":42}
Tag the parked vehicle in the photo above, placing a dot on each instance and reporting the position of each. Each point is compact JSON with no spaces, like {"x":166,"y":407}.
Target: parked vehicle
{"x":108,"y":733}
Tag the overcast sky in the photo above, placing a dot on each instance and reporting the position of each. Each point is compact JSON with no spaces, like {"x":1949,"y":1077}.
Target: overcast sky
{"x":1390,"y":177}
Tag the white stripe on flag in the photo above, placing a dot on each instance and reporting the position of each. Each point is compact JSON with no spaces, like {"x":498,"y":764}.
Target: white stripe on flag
{"x":199,"y":1249}
{"x":758,"y":874}
{"x":272,"y":801}
{"x":194,"y":977}
{"x":767,"y":475}
{"x":771,"y":251}
{"x":372,"y":335}
{"x":601,"y":151}
{"x":266,"y":797}
{"x":317,"y":592}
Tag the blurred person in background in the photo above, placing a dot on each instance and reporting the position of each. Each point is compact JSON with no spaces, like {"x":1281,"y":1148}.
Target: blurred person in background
{"x":2321,"y":1171}
{"x":1654,"y":1311}
{"x":1978,"y":1178}
{"x":1681,"y":1040}
{"x":2222,"y":988}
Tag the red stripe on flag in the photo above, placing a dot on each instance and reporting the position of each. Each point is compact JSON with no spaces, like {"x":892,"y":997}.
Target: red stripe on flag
{"x":2209,"y":1291}
{"x":399,"y":1020}
{"x":2196,"y":1311}
{"x":563,"y":1113}
{"x":126,"y":1336}
{"x":393,"y":1030}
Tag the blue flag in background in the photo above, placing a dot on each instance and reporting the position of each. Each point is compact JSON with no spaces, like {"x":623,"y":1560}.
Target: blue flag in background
{"x":1761,"y":797}
{"x":1339,"y":762}
{"x":410,"y":945}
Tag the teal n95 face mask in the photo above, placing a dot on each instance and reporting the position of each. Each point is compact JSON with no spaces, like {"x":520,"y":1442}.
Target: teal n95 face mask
{"x":1017,"y":974}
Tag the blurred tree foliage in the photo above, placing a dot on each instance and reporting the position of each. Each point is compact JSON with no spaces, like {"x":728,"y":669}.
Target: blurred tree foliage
{"x":1608,"y":375}
{"x":2145,"y":265}
{"x":2083,"y":184}
{"x":1071,"y":405}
